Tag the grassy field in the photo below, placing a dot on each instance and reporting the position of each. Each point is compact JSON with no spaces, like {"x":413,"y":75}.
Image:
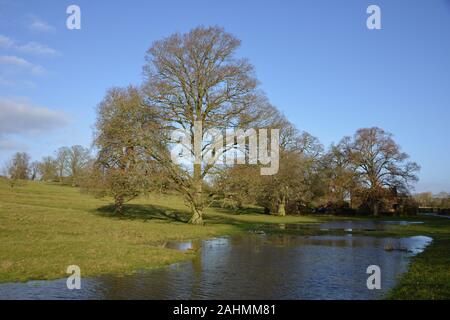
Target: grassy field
{"x":44,"y":228}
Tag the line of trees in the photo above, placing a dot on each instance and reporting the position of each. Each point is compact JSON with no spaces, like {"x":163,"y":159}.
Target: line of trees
{"x":196,"y":78}
{"x":366,"y":173}
{"x":70,"y":166}
{"x":430,"y":200}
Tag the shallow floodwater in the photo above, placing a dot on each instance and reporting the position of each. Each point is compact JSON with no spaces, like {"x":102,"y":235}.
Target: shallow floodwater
{"x":364,"y":225}
{"x":349,"y":226}
{"x":251,"y":266}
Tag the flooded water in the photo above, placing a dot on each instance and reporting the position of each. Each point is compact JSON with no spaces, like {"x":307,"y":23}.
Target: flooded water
{"x":349,"y":226}
{"x":251,"y":266}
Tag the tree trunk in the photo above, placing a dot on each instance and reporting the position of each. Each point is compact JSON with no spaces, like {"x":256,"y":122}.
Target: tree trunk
{"x":375,"y":209}
{"x":197,"y":205}
{"x":118,"y":205}
{"x":282,"y":207}
{"x":197,"y":216}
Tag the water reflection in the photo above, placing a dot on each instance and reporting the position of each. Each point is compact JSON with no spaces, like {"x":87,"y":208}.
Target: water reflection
{"x":349,"y":226}
{"x":250,"y":266}
{"x":365,"y":225}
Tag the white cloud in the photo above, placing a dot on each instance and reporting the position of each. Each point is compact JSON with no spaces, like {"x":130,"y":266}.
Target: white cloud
{"x":21,"y":63}
{"x":37,"y":48}
{"x":23,"y":124}
{"x":5,"y":82}
{"x":6,"y":42}
{"x":30,"y":47}
{"x":20,"y":117}
{"x":39,"y":25}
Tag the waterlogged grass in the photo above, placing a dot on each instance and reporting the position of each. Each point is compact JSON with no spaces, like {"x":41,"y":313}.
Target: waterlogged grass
{"x":45,"y":227}
{"x":428,"y":276}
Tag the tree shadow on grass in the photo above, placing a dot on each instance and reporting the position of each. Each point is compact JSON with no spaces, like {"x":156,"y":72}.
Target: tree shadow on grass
{"x":148,"y":212}
{"x":230,"y":217}
{"x":240,"y":211}
{"x":144,"y":213}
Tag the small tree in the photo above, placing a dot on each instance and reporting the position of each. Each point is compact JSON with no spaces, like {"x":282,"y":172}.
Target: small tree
{"x":34,"y":170}
{"x":48,"y":169}
{"x":6,"y":173}
{"x":292,"y":185}
{"x":78,"y":159}
{"x":237,"y":185}
{"x":19,"y":167}
{"x":62,"y":162}
{"x":338,"y":176}
{"x":124,"y":132}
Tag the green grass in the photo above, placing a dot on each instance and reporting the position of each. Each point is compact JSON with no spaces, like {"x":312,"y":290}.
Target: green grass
{"x":44,"y":228}
{"x":428,"y":276}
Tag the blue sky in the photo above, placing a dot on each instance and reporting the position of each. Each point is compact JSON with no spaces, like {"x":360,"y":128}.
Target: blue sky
{"x":316,"y":61}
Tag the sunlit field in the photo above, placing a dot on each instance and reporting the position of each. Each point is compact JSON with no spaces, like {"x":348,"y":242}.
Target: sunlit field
{"x":46,"y":227}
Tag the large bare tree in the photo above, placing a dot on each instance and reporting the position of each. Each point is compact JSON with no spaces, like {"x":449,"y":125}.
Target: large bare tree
{"x":195,"y":78}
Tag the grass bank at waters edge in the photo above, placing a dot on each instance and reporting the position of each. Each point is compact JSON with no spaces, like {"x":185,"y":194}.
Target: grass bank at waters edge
{"x":428,"y":276}
{"x":44,"y":228}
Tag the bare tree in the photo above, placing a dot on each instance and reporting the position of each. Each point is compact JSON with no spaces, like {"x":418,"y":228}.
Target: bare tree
{"x":196,"y":78}
{"x":34,"y":170}
{"x":380,"y":164}
{"x":78,"y":158}
{"x":48,"y":169}
{"x":19,"y":168}
{"x":62,"y":162}
{"x":6,"y":169}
